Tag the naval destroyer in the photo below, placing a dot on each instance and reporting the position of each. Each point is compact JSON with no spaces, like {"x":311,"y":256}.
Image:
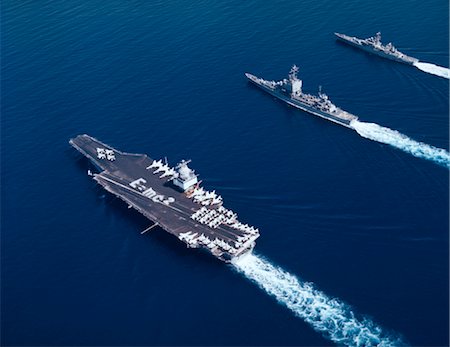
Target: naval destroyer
{"x":171,"y":197}
{"x":290,"y":91}
{"x":373,"y":45}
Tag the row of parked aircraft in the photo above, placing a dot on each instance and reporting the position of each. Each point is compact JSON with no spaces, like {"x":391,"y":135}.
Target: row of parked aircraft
{"x":194,"y":241}
{"x":246,"y":228}
{"x":103,"y":153}
{"x":206,"y":198}
{"x":199,"y":195}
{"x":213,"y":218}
{"x":162,"y":167}
{"x":189,"y":237}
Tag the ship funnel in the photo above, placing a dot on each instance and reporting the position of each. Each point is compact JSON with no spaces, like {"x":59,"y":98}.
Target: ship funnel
{"x":186,"y":177}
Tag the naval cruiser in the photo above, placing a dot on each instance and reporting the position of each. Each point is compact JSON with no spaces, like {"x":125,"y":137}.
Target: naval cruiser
{"x":373,"y":45}
{"x":171,"y":197}
{"x":290,"y":91}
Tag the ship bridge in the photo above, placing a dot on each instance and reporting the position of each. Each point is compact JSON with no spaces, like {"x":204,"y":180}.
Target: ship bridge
{"x":185,"y":178}
{"x":295,"y":83}
{"x":194,"y":215}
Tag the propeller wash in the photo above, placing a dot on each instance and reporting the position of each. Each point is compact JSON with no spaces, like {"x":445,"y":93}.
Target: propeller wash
{"x":172,"y":198}
{"x":373,"y":45}
{"x":290,"y":91}
{"x":329,"y":316}
{"x":433,"y":69}
{"x":396,"y":139}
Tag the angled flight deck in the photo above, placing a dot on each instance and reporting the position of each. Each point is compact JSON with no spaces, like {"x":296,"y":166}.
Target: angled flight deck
{"x":170,"y":197}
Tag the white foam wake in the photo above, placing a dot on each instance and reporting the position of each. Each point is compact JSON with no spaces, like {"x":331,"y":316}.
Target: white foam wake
{"x":333,"y":318}
{"x":433,"y":69}
{"x":396,"y":139}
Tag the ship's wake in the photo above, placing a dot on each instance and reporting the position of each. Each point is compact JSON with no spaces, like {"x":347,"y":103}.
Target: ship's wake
{"x":433,"y":69}
{"x":333,"y":318}
{"x":396,"y":139}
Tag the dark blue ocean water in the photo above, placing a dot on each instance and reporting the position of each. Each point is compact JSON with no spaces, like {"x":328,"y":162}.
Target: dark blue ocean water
{"x":363,"y":221}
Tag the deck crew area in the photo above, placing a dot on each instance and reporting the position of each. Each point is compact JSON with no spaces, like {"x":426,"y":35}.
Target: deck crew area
{"x":197,"y":217}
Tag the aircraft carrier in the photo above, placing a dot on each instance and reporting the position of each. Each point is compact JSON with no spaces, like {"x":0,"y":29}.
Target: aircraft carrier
{"x":373,"y":45}
{"x":290,"y":91}
{"x":171,"y":197}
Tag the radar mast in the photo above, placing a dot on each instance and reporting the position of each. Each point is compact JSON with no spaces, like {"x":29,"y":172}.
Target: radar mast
{"x":293,"y":73}
{"x":378,"y":38}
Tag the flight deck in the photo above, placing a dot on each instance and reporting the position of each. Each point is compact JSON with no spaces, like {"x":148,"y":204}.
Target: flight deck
{"x":170,"y":197}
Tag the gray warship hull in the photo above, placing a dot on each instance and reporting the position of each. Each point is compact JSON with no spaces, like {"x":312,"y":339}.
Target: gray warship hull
{"x":128,"y":177}
{"x":372,"y":50}
{"x":297,"y":104}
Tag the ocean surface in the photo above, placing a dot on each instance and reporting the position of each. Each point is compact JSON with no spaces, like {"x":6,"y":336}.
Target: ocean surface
{"x":354,"y":246}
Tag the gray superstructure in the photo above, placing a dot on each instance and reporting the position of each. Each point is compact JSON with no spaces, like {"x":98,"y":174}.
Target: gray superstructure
{"x":171,"y":197}
{"x":373,"y":45}
{"x":290,"y":91}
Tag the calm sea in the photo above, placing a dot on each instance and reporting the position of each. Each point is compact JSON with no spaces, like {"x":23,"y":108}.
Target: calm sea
{"x":361,"y":221}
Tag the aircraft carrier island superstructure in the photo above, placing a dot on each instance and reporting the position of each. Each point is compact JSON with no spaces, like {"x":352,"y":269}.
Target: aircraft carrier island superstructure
{"x":373,"y":45}
{"x":171,"y":197}
{"x":290,"y":91}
